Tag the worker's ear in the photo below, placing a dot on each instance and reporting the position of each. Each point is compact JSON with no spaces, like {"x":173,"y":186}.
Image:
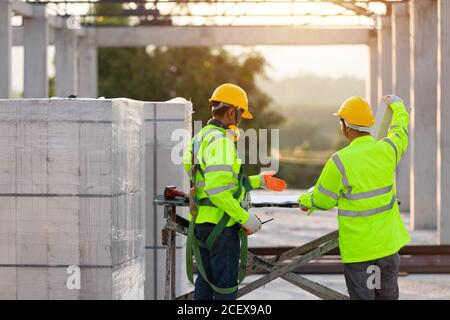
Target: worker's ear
{"x":344,"y":129}
{"x":231,"y":114}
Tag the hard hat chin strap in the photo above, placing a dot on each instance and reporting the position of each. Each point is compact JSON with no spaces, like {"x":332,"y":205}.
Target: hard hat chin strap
{"x":358,"y":128}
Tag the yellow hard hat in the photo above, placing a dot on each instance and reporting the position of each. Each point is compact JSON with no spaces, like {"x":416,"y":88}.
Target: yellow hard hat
{"x":356,"y":111}
{"x":233,"y":95}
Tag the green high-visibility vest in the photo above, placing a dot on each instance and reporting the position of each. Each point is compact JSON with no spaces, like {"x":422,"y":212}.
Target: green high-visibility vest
{"x":221,"y":186}
{"x":218,"y":176}
{"x":360,"y":181}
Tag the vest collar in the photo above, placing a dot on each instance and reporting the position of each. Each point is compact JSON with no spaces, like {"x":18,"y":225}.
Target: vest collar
{"x":362,"y":140}
{"x":217,"y":123}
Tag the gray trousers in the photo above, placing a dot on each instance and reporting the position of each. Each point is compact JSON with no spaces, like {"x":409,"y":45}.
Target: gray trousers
{"x":373,"y":280}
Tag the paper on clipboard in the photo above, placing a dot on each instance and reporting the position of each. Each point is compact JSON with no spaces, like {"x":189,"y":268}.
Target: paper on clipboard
{"x":383,"y":120}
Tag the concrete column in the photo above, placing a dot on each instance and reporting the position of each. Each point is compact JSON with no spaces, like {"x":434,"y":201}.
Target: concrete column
{"x":401,"y":78}
{"x":384,"y":56}
{"x":5,"y":48}
{"x":35,"y":41}
{"x":443,"y":115}
{"x":87,"y":66}
{"x":372,"y":77}
{"x":66,"y":61}
{"x":423,"y":135}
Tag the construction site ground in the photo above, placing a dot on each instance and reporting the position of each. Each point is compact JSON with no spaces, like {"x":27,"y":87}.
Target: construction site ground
{"x":293,"y":228}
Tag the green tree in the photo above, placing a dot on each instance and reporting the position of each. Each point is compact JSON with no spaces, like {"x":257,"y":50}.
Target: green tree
{"x":161,"y":74}
{"x":164,"y":73}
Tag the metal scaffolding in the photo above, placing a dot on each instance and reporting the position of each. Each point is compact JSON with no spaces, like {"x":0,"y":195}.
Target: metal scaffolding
{"x":223,"y":12}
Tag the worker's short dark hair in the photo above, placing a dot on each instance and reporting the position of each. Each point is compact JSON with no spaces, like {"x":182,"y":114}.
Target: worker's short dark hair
{"x":219,"y":113}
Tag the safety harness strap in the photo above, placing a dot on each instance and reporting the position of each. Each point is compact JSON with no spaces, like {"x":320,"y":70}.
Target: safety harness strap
{"x":193,"y":249}
{"x":193,"y":244}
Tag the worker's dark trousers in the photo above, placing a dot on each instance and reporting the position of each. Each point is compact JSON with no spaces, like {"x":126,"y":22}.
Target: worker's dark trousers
{"x":221,"y":263}
{"x":363,"y":282}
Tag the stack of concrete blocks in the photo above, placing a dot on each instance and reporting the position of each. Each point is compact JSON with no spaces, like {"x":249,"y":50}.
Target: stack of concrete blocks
{"x":168,"y":127}
{"x":71,"y":187}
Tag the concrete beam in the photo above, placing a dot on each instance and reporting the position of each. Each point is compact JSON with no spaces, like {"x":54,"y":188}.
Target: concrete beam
{"x":87,"y":66}
{"x":35,"y":54}
{"x":384,"y":56}
{"x":423,"y":118}
{"x":56,"y":22}
{"x":22,"y":8}
{"x":401,"y":78}
{"x":189,"y":36}
{"x":443,"y":114}
{"x":228,"y":35}
{"x":372,"y":77}
{"x":18,"y":32}
{"x":66,"y":60}
{"x":5,"y":48}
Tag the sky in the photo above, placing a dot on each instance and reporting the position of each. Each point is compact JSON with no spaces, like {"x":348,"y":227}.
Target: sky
{"x":330,"y":61}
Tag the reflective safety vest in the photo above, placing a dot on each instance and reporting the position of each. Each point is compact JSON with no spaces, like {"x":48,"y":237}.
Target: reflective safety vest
{"x":220,"y":187}
{"x":360,"y":181}
{"x":218,"y":176}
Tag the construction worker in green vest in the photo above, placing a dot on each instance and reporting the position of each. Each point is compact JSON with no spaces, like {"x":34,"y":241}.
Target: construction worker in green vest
{"x":219,"y":225}
{"x":360,"y":181}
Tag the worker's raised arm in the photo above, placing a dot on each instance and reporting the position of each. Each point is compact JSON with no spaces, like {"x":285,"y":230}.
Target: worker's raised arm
{"x":398,"y":132}
{"x":221,"y":178}
{"x":327,"y":189}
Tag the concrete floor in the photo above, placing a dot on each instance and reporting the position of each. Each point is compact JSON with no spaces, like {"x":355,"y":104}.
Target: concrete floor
{"x":292,"y":228}
{"x":412,"y":287}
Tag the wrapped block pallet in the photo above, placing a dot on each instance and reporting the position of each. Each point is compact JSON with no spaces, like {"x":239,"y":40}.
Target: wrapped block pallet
{"x":72,"y":198}
{"x":168,"y":127}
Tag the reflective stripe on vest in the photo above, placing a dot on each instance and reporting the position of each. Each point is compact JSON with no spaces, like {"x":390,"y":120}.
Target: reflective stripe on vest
{"x":213,"y":168}
{"x":367,"y":194}
{"x":341,"y":169}
{"x":393,"y":147}
{"x":200,"y":138}
{"x":356,"y":196}
{"x":218,"y":168}
{"x":213,"y":191}
{"x":367,"y":213}
{"x":201,"y":183}
{"x":396,"y":126}
{"x":196,"y":148}
{"x":393,"y":127}
{"x":328,"y":193}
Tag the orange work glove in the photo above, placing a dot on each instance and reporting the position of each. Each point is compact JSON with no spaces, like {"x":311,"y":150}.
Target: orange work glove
{"x":270,"y":183}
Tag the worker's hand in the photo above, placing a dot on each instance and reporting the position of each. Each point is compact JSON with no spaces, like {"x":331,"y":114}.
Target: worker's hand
{"x":389,"y":99}
{"x":252,"y":225}
{"x":270,"y":183}
{"x":305,"y":201}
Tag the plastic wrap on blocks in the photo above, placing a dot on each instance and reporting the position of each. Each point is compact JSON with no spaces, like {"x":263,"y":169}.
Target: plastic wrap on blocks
{"x":168,"y":127}
{"x":72,"y":172}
